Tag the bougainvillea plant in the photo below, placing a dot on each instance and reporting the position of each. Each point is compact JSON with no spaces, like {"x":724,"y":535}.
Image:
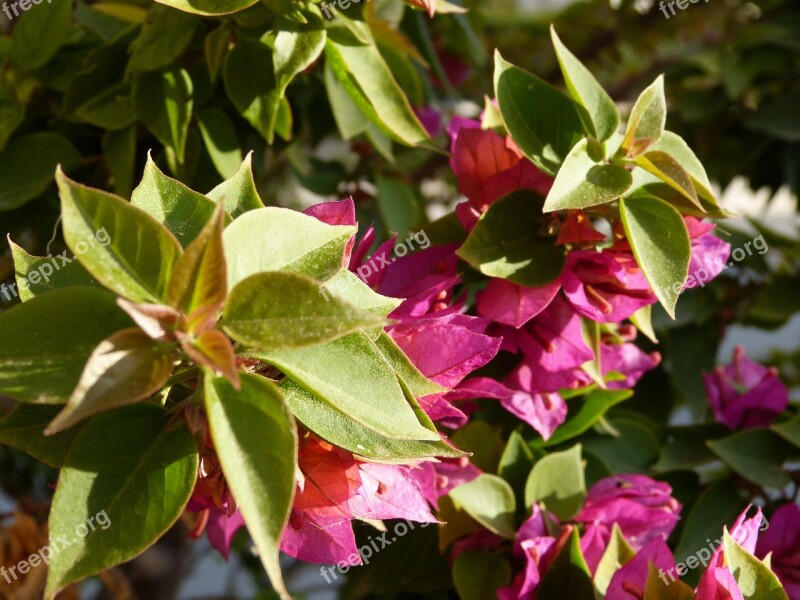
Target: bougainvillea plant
{"x":208,"y":354}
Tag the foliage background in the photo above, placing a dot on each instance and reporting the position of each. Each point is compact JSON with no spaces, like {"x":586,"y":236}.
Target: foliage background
{"x":732,"y":85}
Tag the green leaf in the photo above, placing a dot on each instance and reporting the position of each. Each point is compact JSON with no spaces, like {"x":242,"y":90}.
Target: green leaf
{"x":163,"y":102}
{"x":757,"y":455}
{"x":36,"y":275}
{"x":250,"y":85}
{"x":417,"y":383}
{"x":594,"y":406}
{"x":216,"y":46}
{"x":23,"y":429}
{"x":568,"y":577}
{"x":515,"y":464}
{"x":279,"y":239}
{"x":12,"y":113}
{"x":239,"y":193}
{"x":717,"y":506}
{"x":558,"y":481}
{"x":256,"y":441}
{"x":45,"y":343}
{"x":790,"y":431}
{"x":125,"y":368}
{"x":350,"y":121}
{"x":349,"y":287}
{"x":489,"y":500}
{"x":675,"y":146}
{"x":199,"y":283}
{"x":366,"y":77}
{"x":399,"y":205}
{"x":642,"y":319}
{"x":617,"y":553}
{"x":478,"y":575}
{"x":138,"y":259}
{"x":545,"y":135}
{"x":660,"y":242}
{"x":221,"y":140}
{"x":27,"y":165}
{"x":581,"y":183}
{"x":209,"y":7}
{"x":585,"y":90}
{"x":506,"y":243}
{"x":755,"y":579}
{"x":656,"y":589}
{"x":133,"y":467}
{"x":40,"y":32}
{"x":184,"y":211}
{"x":302,"y":317}
{"x":668,"y":170}
{"x":339,"y":429}
{"x":296,"y":48}
{"x":647,"y":119}
{"x":350,"y":373}
{"x":166,"y":34}
{"x":119,"y":148}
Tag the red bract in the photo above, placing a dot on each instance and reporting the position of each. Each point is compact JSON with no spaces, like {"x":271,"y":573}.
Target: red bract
{"x":782,"y":540}
{"x":489,"y":166}
{"x":643,"y":508}
{"x":333,"y":490}
{"x":745,"y":394}
{"x":537,"y":547}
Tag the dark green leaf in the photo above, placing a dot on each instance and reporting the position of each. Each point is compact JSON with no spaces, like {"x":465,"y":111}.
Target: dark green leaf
{"x":119,"y":148}
{"x":27,"y":165}
{"x":506,"y":242}
{"x":546,"y":135}
{"x":296,"y":48}
{"x":757,"y":455}
{"x":40,"y":32}
{"x":23,"y":429}
{"x":165,"y":35}
{"x":568,"y":578}
{"x":478,"y":575}
{"x":133,"y":468}
{"x":251,"y":86}
{"x":163,"y":101}
{"x":660,"y":242}
{"x":45,"y":343}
